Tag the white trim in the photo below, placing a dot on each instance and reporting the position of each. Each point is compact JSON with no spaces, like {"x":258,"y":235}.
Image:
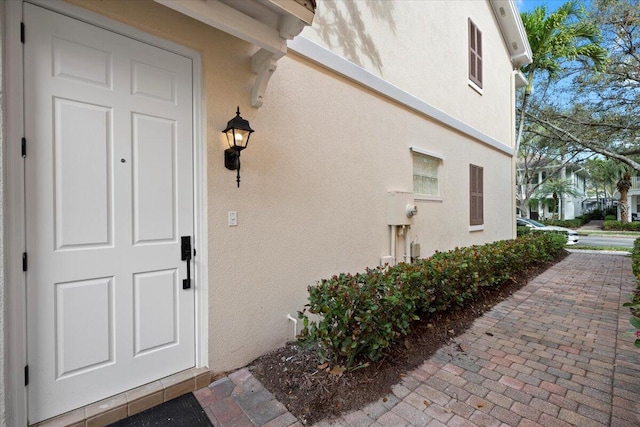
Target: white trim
{"x":426,"y":153}
{"x":427,"y":198}
{"x":201,"y":223}
{"x":294,"y":9}
{"x":476,"y":227}
{"x":475,"y":87}
{"x":101,"y":21}
{"x":513,"y":32}
{"x":13,"y":217}
{"x":325,"y":58}
{"x":227,"y":19}
{"x":520,"y":79}
{"x":14,"y":193}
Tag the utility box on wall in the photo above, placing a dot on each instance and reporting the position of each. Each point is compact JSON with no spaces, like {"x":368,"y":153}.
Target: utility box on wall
{"x":400,"y":208}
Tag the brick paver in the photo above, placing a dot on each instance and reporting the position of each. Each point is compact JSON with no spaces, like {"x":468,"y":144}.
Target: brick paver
{"x":556,"y":353}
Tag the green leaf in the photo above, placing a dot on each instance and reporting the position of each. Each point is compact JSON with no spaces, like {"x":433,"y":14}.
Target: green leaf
{"x":635,"y":321}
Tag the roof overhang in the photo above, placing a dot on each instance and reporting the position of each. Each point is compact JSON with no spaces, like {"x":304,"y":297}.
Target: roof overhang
{"x":520,"y":78}
{"x":513,"y":32}
{"x":267,"y":24}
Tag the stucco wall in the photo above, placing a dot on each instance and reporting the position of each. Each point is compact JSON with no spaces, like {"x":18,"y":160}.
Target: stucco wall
{"x":3,"y":313}
{"x":422,"y":47}
{"x":312,"y":200}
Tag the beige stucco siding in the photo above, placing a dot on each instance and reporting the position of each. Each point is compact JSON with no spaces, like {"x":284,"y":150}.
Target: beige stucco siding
{"x":4,"y":331}
{"x":312,"y":201}
{"x":422,"y":47}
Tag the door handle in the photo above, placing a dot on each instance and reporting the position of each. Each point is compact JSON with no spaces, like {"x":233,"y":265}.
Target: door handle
{"x":185,"y":251}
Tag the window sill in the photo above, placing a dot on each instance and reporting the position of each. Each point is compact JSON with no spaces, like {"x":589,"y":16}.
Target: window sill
{"x":476,"y":228}
{"x":475,"y":87}
{"x":427,"y":198}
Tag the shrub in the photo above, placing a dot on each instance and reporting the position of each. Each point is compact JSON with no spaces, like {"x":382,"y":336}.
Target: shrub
{"x":522,"y":230}
{"x":595,"y":214}
{"x":635,"y":260}
{"x":634,"y":304}
{"x":611,"y":218}
{"x":611,"y":210}
{"x":618,"y":225}
{"x":363,"y":314}
{"x":568,"y":223}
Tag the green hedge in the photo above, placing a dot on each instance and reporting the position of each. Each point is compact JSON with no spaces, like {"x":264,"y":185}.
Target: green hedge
{"x":568,"y":223}
{"x":634,"y":304}
{"x":522,"y":230}
{"x":635,"y":259}
{"x":361,"y":315}
{"x":619,"y":226}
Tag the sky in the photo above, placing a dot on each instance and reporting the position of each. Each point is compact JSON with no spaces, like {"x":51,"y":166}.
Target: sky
{"x":529,"y":5}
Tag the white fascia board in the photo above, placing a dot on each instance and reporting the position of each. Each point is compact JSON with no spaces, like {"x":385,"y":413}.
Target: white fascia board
{"x":520,"y":78}
{"x":293,"y":8}
{"x":427,"y":153}
{"x":229,"y":20}
{"x":327,"y":59}
{"x":513,"y":32}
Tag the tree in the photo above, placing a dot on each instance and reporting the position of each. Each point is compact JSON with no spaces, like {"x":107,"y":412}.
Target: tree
{"x":604,"y":173}
{"x":538,"y":160}
{"x":603,"y":116}
{"x":556,"y":38}
{"x":557,"y":188}
{"x":624,"y":184}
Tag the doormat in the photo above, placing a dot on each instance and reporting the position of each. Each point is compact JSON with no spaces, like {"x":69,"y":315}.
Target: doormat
{"x":183,"y":411}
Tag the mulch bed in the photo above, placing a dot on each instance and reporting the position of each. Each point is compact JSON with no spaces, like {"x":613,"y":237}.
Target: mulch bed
{"x":310,"y":392}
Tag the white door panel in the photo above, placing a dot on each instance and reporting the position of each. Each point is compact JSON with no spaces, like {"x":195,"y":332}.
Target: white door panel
{"x":154,"y":179}
{"x":109,"y":193}
{"x":82,"y":146}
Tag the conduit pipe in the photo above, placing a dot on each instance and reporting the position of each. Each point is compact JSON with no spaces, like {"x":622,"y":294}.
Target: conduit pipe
{"x":407,"y":245}
{"x":295,"y":325}
{"x":393,"y":244}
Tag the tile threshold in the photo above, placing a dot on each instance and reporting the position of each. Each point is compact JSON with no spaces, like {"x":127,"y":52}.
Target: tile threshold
{"x":133,"y":401}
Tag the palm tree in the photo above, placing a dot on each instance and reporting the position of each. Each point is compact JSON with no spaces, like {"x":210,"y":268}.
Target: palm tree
{"x":605,"y":172}
{"x":624,"y":184}
{"x":560,"y":36}
{"x":557,"y":188}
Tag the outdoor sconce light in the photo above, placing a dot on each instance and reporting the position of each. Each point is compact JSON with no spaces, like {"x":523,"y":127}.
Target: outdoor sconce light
{"x":238,"y":132}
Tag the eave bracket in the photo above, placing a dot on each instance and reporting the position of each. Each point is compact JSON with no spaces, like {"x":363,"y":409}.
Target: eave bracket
{"x":263,"y":63}
{"x":252,"y":21}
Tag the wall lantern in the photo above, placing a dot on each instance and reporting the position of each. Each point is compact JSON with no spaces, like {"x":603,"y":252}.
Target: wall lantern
{"x":238,"y":132}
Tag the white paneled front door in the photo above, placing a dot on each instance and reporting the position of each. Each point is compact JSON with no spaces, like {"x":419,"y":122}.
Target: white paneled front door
{"x":109,"y":194}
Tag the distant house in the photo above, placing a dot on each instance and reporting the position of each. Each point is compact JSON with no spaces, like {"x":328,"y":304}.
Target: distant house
{"x":572,"y":204}
{"x":135,"y":263}
{"x":633,"y":200}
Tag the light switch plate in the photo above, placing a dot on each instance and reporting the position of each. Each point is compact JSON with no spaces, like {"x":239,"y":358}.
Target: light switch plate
{"x":233,"y":218}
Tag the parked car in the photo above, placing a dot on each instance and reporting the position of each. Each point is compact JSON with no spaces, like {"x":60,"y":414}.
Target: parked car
{"x":572,"y":235}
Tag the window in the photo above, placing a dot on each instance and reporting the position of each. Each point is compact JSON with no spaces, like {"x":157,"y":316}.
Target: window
{"x":475,"y":54}
{"x":534,"y":179}
{"x":425,"y":174}
{"x":476,"y":196}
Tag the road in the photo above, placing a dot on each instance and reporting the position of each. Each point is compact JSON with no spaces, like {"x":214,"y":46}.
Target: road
{"x":592,"y":240}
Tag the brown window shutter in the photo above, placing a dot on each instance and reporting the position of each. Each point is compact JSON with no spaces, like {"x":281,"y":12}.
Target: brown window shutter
{"x":479,"y":57}
{"x":476,"y":210}
{"x":475,"y":54}
{"x":480,"y":195}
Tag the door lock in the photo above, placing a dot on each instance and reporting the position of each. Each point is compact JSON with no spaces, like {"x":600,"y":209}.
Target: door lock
{"x":185,"y":251}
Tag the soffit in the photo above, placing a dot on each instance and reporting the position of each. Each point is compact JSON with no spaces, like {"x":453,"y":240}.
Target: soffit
{"x":267,"y":24}
{"x":513,"y":32}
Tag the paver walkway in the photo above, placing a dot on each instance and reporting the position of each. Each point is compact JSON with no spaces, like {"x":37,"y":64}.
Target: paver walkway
{"x":556,"y":353}
{"x":594,"y":224}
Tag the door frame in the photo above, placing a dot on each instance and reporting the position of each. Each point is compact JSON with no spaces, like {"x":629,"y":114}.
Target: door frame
{"x":14,"y":200}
